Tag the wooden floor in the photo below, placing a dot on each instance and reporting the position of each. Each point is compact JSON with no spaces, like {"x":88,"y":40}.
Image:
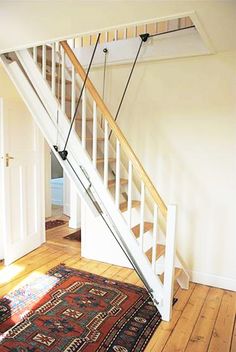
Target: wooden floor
{"x":203,"y":318}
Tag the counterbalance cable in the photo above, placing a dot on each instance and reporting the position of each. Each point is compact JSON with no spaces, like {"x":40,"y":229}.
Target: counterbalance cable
{"x":64,"y":152}
{"x":144,"y":38}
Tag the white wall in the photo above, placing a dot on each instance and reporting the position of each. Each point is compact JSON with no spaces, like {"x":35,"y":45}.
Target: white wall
{"x":179,"y":116}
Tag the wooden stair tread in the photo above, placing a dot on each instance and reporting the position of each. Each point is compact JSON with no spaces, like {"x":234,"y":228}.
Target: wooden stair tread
{"x":88,"y":119}
{"x":124,"y":205}
{"x":160,"y":250}
{"x":99,"y":139}
{"x":48,"y":61}
{"x":49,"y":77}
{"x":147,"y":227}
{"x":123,"y":181}
{"x":101,"y":160}
{"x":66,"y":98}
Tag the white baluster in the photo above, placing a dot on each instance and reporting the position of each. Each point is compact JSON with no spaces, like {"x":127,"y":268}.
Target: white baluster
{"x":142,"y":199}
{"x":125,"y":33}
{"x":44,"y":63}
{"x":53,"y":69}
{"x":57,"y":45}
{"x":154,"y":238}
{"x":116,"y":35}
{"x":169,"y":262}
{"x":84,"y":113}
{"x":35,"y":54}
{"x":94,"y":134}
{"x":73,"y":87}
{"x":63,"y":92}
{"x":130,"y":171}
{"x":106,"y":37}
{"x":117,"y":195}
{"x":145,"y":28}
{"x":106,"y":152}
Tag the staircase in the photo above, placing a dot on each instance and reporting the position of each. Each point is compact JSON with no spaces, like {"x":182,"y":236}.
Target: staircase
{"x":128,"y":32}
{"x":105,"y":170}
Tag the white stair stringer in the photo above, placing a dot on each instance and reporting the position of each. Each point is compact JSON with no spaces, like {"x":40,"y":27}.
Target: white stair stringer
{"x":78,"y":166}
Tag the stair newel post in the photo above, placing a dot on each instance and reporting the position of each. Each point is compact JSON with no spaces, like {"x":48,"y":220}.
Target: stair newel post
{"x":154,"y":238}
{"x":84,"y":113}
{"x":169,"y":262}
{"x":53,"y":79}
{"x":142,"y":204}
{"x":106,"y":152}
{"x":63,"y":93}
{"x":130,"y":172}
{"x":94,"y":134}
{"x":44,"y":55}
{"x":117,"y":194}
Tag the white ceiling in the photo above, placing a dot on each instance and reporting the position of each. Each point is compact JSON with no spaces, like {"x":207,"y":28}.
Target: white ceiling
{"x":23,"y":23}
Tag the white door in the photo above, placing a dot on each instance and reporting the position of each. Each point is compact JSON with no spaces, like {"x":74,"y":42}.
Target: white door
{"x":21,"y":181}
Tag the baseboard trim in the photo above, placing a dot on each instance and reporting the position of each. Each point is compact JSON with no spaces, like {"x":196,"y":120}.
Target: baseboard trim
{"x":74,"y":224}
{"x":213,"y":280}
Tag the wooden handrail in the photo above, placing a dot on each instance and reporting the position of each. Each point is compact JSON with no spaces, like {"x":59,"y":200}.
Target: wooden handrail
{"x":116,"y":130}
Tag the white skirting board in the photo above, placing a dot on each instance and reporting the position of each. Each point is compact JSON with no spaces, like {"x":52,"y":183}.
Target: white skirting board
{"x":213,"y":280}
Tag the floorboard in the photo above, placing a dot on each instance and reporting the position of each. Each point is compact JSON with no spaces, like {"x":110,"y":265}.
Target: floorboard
{"x":223,"y":329}
{"x":203,"y":318}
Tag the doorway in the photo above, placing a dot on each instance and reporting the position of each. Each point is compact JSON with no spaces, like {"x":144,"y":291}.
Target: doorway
{"x":62,"y":205}
{"x":57,"y":188}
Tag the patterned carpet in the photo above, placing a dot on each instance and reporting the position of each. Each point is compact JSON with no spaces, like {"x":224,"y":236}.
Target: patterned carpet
{"x":75,"y":236}
{"x":77,"y":311}
{"x":50,"y":224}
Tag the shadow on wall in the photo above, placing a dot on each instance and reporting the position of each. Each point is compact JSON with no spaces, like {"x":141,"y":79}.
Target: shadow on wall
{"x":182,"y":176}
{"x":56,"y":169}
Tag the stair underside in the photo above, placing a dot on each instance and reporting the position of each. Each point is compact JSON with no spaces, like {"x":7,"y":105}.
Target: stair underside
{"x":177,"y":273}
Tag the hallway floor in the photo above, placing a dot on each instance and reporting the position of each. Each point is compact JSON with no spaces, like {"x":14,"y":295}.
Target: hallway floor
{"x":203,"y":318}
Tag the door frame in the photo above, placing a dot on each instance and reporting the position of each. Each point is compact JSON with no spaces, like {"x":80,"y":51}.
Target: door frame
{"x":2,"y":204}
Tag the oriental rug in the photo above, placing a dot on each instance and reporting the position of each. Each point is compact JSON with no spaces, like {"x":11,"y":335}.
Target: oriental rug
{"x":50,"y":224}
{"x":77,"y":311}
{"x":75,"y":236}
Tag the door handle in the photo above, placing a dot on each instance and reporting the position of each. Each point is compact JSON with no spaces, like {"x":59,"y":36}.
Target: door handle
{"x":8,"y":158}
